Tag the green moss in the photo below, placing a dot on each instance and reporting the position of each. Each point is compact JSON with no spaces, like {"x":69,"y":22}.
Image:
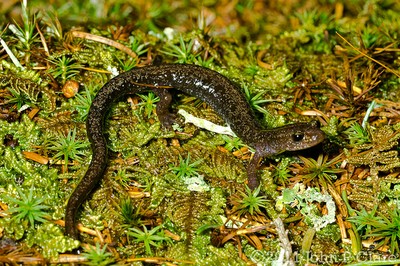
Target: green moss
{"x":267,"y":256}
{"x":38,"y":181}
{"x":28,"y":208}
{"x":13,"y":229}
{"x":98,"y":256}
{"x":217,"y":204}
{"x":273,"y":58}
{"x":331,"y":232}
{"x":222,"y":256}
{"x":50,"y":238}
{"x":27,"y":132}
{"x":27,"y":89}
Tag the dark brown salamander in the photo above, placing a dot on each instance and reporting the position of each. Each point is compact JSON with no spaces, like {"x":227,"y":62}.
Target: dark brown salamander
{"x":209,"y":86}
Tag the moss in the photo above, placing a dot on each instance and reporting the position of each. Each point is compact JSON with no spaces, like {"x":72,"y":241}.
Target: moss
{"x":330,"y":233}
{"x":283,"y":59}
{"x":13,"y":229}
{"x":267,"y":256}
{"x":27,"y":132}
{"x":50,"y":238}
{"x":222,"y":256}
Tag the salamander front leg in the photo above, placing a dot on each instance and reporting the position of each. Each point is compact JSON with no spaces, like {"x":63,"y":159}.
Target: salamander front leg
{"x":253,"y":181}
{"x":162,"y":109}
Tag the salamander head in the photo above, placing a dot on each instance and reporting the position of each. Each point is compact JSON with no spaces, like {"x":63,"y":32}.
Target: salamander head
{"x":292,"y":137}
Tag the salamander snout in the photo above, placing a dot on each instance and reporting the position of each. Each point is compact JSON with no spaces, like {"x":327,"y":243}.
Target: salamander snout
{"x":291,"y":137}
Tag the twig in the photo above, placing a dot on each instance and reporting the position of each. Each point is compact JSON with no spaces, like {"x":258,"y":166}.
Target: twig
{"x":285,"y":257}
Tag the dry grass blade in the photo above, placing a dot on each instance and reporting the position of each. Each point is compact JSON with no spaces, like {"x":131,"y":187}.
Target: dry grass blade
{"x":369,"y":57}
{"x":88,"y":36}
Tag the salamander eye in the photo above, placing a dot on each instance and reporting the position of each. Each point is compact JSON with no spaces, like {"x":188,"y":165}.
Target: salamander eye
{"x":297,"y":137}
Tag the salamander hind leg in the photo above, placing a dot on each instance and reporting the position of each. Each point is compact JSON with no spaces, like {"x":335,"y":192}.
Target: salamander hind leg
{"x":166,"y":118}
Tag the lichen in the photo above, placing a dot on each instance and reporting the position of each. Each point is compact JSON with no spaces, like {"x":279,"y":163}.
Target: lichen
{"x":293,"y":66}
{"x":304,"y":200}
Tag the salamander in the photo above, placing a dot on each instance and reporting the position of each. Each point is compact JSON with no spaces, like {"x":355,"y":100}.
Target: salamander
{"x":209,"y":86}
